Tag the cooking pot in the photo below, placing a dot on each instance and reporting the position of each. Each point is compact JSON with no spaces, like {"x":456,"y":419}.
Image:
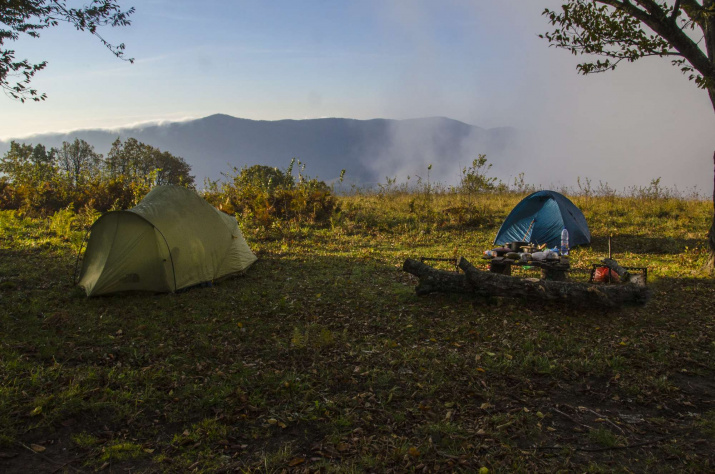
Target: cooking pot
{"x":501,"y":251}
{"x":516,"y":246}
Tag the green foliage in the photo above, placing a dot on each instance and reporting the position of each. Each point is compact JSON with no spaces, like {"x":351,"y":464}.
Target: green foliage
{"x":30,"y":17}
{"x":654,"y":191}
{"x":313,"y":336}
{"x":122,"y":450}
{"x":62,"y":221}
{"x":520,"y":186}
{"x":622,"y":31}
{"x":85,"y":440}
{"x":474,"y":177}
{"x":77,"y":162}
{"x":265,"y":196}
{"x":41,"y":183}
{"x":28,"y":165}
{"x":323,"y":358}
{"x":263,"y":177}
{"x":146,"y":165}
{"x":604,"y":437}
{"x":38,"y":182}
{"x":612,"y":32}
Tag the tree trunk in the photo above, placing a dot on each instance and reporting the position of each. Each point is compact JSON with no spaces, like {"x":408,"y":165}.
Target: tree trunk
{"x":711,"y":233}
{"x":481,"y":283}
{"x":710,"y":265}
{"x":709,"y":40}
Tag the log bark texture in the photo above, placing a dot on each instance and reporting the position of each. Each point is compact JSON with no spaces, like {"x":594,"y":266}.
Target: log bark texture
{"x":436,"y":281}
{"x":480,"y":283}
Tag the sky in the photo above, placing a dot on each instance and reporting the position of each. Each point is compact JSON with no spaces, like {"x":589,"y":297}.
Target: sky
{"x":478,"y":61}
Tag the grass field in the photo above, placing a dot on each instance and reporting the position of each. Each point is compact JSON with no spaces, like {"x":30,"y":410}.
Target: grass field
{"x":322,"y":358}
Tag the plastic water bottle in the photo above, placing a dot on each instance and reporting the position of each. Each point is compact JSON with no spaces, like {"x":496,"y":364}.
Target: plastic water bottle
{"x":564,"y":242}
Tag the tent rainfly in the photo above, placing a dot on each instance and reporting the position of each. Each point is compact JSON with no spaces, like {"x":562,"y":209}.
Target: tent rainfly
{"x":540,"y":217}
{"x":172,"y":239}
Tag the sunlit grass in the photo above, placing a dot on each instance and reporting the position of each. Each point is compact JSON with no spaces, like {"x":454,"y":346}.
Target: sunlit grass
{"x":322,"y":357}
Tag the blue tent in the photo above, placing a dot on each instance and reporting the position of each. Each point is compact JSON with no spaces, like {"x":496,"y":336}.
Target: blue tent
{"x":540,"y":217}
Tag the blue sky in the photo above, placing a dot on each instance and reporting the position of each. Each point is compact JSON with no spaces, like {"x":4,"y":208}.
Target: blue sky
{"x":479,"y":61}
{"x":276,"y":59}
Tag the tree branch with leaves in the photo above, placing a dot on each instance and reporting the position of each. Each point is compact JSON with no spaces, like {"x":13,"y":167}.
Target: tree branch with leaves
{"x":629,"y":30}
{"x":30,"y":17}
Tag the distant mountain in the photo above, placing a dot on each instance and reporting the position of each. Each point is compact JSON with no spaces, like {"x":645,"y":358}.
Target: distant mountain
{"x":369,"y":150}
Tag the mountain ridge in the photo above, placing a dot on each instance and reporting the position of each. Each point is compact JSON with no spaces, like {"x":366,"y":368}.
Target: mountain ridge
{"x":369,"y":150}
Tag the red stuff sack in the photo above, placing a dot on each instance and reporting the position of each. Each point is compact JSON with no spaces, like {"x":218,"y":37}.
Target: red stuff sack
{"x":601,"y":275}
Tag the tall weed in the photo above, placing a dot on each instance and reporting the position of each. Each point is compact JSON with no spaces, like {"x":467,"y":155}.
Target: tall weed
{"x":62,"y":222}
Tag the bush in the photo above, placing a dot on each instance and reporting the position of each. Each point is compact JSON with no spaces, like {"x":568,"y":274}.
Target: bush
{"x":41,"y":183}
{"x":474,"y":178}
{"x":43,"y":199}
{"x":266,"y":195}
{"x":9,"y":198}
{"x":62,"y":222}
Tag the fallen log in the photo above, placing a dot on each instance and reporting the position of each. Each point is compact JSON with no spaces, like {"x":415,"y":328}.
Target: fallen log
{"x":436,"y":281}
{"x":481,"y":283}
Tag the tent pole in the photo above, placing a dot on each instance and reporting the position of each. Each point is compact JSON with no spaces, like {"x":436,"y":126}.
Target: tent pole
{"x":171,"y":258}
{"x":523,"y":239}
{"x":79,"y":252}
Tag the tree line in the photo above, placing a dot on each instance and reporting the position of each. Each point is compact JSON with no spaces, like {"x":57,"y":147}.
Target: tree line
{"x":41,"y":181}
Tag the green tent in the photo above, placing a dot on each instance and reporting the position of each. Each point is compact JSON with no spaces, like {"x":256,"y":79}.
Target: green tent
{"x":171,"y":240}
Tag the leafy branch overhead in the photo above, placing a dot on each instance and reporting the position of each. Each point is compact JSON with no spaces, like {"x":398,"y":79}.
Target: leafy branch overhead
{"x":633,"y":29}
{"x":29,"y":17}
{"x":630,"y":30}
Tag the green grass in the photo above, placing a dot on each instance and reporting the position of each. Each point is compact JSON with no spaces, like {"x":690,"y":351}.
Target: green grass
{"x":322,"y":357}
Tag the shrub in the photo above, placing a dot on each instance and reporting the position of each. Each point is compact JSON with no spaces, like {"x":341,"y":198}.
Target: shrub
{"x":266,"y":195}
{"x":41,"y":183}
{"x":474,"y":178}
{"x":62,"y":221}
{"x":9,"y":198}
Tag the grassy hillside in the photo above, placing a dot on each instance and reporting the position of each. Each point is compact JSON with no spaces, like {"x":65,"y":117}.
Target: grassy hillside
{"x":321,"y":357}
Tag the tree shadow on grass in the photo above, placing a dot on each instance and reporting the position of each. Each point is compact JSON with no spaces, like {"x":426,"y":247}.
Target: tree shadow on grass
{"x":638,"y":244}
{"x":289,"y":354}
